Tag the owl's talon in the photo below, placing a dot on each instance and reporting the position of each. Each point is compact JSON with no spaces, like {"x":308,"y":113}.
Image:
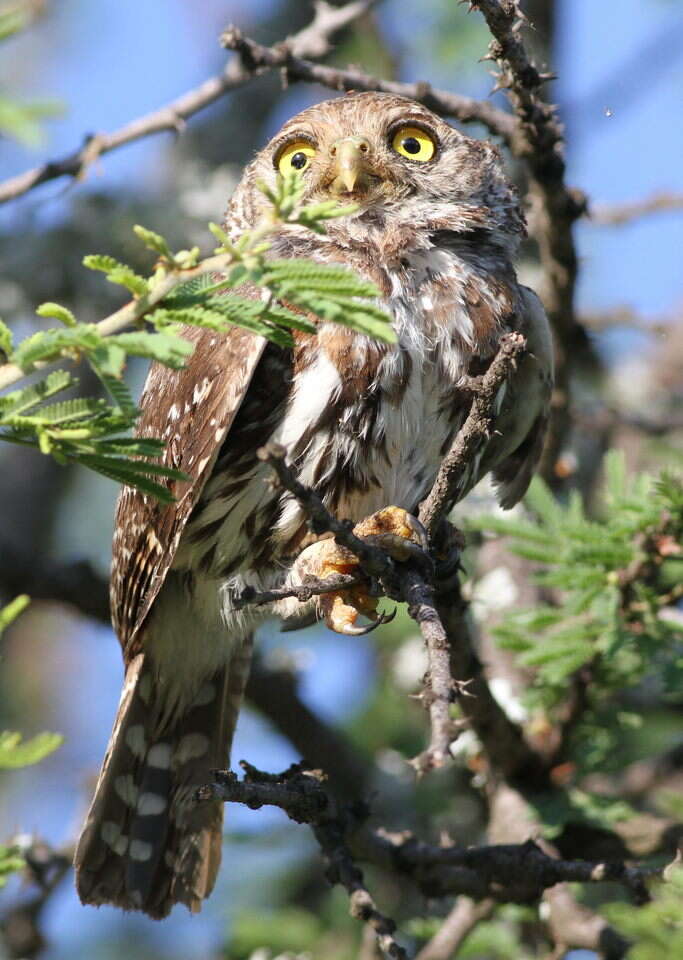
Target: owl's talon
{"x":419,"y":531}
{"x":351,"y":630}
{"x":392,"y":529}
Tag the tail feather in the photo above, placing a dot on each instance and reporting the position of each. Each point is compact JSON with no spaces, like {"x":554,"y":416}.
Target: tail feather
{"x":146,"y":845}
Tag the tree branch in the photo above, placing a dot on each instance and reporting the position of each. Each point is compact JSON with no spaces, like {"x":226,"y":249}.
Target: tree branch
{"x":475,"y":431}
{"x":301,"y":792}
{"x":455,"y":929}
{"x":312,"y":41}
{"x":505,"y":872}
{"x":462,"y":108}
{"x":554,"y":206}
{"x":615,"y":215}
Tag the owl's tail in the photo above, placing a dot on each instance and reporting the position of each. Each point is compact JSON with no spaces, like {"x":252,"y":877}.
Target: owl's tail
{"x":146,"y":843}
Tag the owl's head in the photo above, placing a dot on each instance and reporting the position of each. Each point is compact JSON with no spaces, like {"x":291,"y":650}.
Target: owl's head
{"x":393,"y":158}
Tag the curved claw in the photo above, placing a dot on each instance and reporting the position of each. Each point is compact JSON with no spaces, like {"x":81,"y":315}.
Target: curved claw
{"x":419,"y":531}
{"x":351,"y":630}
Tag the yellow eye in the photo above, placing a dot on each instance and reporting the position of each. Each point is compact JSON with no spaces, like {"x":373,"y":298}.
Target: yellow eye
{"x":414,"y":143}
{"x":295,"y":156}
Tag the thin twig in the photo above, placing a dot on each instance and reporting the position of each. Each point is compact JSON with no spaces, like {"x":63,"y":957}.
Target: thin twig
{"x":288,"y":56}
{"x":475,"y":431}
{"x":312,"y":588}
{"x":615,"y":215}
{"x":374,"y":561}
{"x":505,"y":872}
{"x":462,"y":108}
{"x":456,"y":927}
{"x":440,"y":687}
{"x":302,"y":795}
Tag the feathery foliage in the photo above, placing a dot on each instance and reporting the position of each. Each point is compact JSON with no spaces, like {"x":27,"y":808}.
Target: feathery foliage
{"x":656,"y":929}
{"x":613,"y":582}
{"x":182,"y":290}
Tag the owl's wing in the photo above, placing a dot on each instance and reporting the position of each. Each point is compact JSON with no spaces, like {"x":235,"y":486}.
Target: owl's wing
{"x":191,"y":410}
{"x":526,"y":405}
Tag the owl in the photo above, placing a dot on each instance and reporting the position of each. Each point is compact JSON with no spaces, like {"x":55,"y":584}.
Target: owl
{"x":436,"y":227}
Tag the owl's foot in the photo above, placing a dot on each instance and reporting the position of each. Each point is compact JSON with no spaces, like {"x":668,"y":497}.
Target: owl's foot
{"x":392,"y":529}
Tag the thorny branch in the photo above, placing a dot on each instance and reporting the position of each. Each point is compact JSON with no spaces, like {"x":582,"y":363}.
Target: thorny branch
{"x":303,"y":793}
{"x":474,"y":433}
{"x":554,"y":206}
{"x":512,"y":872}
{"x":312,"y":588}
{"x":313,"y":41}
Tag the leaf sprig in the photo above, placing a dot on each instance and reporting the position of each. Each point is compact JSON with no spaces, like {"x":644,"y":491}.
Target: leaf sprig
{"x":616,"y":581}
{"x":182,"y":290}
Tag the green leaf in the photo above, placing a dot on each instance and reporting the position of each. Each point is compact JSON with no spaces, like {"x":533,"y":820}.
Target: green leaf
{"x":19,"y":401}
{"x":5,"y":340}
{"x":23,"y":121}
{"x":12,"y":20}
{"x":312,"y":277}
{"x":10,"y":861}
{"x":51,"y":344}
{"x":117,"y":272}
{"x":134,"y":473}
{"x":153,"y":241}
{"x":167,"y":348}
{"x":57,"y":312}
{"x":12,"y":610}
{"x":14,"y":753}
{"x":108,"y":361}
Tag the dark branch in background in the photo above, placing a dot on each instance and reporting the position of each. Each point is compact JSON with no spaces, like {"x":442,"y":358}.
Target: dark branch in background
{"x":456,"y":927}
{"x":21,"y":923}
{"x":77,"y":584}
{"x":618,"y":214}
{"x":256,"y":57}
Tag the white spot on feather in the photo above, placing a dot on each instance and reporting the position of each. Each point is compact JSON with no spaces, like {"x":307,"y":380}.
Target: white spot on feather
{"x":191,"y":746}
{"x":151,"y":804}
{"x":112,"y":836}
{"x":126,"y":789}
{"x":206,"y":694}
{"x":135,"y":739}
{"x":160,"y":756}
{"x":314,"y":389}
{"x":201,"y":390}
{"x":140,"y":850}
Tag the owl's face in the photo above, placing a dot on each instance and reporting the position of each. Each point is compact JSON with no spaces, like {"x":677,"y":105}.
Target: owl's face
{"x":393,"y":158}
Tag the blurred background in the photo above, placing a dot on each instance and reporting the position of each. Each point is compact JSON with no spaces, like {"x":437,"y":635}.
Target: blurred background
{"x":91,"y":67}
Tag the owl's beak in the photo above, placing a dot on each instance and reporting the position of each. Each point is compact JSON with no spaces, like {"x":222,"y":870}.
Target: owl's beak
{"x":348,"y":163}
